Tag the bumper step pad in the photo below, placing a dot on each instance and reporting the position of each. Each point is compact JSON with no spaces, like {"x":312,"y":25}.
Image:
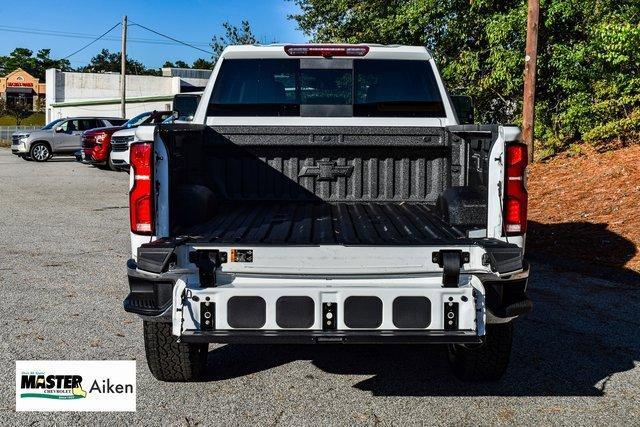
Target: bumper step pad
{"x":333,"y":337}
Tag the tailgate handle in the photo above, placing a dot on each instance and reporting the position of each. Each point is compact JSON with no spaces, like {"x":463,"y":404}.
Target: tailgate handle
{"x":450,"y":261}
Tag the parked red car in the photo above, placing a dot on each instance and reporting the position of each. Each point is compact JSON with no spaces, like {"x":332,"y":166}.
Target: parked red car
{"x":96,"y":143}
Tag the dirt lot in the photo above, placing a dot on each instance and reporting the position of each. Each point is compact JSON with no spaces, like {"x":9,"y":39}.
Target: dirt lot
{"x":64,"y":229}
{"x":588,"y":206}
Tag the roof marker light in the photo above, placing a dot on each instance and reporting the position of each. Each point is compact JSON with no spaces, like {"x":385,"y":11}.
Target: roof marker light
{"x":326,"y":51}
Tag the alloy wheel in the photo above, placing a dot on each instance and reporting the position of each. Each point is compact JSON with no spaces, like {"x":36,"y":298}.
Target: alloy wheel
{"x":41,"y":153}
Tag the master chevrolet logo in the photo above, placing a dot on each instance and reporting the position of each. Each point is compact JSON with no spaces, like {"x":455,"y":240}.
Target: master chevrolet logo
{"x":75,"y":385}
{"x":326,"y":171}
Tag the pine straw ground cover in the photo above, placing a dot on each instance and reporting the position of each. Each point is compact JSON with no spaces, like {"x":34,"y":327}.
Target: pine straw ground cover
{"x":587,"y":206}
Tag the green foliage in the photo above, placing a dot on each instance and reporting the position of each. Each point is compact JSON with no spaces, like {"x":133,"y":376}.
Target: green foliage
{"x":107,"y":61}
{"x":199,"y":63}
{"x":588,"y":85}
{"x":18,"y":109}
{"x":34,"y":65}
{"x":35,"y":119}
{"x":203,"y":64}
{"x":232,"y":35}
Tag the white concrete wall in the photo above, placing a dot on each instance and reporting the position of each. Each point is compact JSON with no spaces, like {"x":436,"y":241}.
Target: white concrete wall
{"x":71,"y":87}
{"x":107,"y":110}
{"x":90,"y":86}
{"x":51,"y":76}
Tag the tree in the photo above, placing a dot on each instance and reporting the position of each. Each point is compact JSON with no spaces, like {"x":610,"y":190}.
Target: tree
{"x":588,"y":83}
{"x":199,"y":63}
{"x":232,"y":35}
{"x":107,"y":61}
{"x":35,"y":65}
{"x":44,"y":62}
{"x":203,"y":64}
{"x":19,"y":108}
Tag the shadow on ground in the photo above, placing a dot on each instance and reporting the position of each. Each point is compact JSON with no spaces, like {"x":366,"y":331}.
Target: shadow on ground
{"x":582,"y":331}
{"x":56,"y":159}
{"x":62,"y":159}
{"x":592,"y":243}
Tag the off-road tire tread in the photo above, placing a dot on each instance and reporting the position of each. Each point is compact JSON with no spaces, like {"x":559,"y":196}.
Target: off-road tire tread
{"x":489,"y":361}
{"x":170,"y":360}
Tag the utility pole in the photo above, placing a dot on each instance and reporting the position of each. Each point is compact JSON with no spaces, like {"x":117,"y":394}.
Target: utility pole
{"x":531,"y":56}
{"x":123,"y":69}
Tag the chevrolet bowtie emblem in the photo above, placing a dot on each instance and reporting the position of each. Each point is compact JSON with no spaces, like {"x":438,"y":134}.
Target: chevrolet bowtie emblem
{"x":326,"y":171}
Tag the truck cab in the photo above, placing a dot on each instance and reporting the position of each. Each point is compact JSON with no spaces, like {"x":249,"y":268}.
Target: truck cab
{"x":327,"y":194}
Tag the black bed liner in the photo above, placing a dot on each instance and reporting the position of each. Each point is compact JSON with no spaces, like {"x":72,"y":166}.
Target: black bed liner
{"x":311,"y":223}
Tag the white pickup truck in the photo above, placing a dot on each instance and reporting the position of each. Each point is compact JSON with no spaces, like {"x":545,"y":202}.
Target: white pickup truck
{"x":327,"y":194}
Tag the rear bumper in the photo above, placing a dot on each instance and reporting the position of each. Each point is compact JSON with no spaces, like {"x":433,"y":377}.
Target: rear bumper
{"x":148,"y":296}
{"x":251,"y":308}
{"x":324,"y":337}
{"x":372,"y":310}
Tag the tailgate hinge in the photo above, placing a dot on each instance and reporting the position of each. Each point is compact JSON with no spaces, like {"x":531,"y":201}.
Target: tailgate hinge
{"x":207,"y":261}
{"x":450,"y":261}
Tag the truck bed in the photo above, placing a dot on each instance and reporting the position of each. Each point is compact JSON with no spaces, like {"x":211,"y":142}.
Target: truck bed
{"x":313,"y":223}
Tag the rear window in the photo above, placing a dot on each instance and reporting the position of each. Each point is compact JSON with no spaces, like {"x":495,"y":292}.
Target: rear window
{"x":322,"y":87}
{"x":186,"y":106}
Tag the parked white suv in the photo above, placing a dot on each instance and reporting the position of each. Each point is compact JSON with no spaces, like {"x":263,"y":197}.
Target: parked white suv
{"x":184,"y":106}
{"x":121,"y":139}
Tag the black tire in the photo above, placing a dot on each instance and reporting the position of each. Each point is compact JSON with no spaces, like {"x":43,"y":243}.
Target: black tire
{"x":27,"y":158}
{"x":170,"y":360}
{"x":487,"y":361}
{"x":40,"y":152}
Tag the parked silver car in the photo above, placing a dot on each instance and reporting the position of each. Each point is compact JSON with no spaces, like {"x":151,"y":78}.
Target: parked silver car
{"x":62,"y":136}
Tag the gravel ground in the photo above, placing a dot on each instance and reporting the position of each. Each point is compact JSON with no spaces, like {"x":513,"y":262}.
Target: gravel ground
{"x":65,"y":244}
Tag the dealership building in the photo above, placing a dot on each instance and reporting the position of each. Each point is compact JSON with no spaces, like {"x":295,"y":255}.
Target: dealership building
{"x":98,"y":94}
{"x":21,"y":85}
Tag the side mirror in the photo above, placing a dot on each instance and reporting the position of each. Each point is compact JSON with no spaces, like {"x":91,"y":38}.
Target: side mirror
{"x":175,"y":114}
{"x":58,"y":129}
{"x":463,"y":105}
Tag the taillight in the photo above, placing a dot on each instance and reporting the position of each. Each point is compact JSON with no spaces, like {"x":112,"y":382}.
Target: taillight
{"x":326,"y":51}
{"x":515,"y":199}
{"x":141,"y":194}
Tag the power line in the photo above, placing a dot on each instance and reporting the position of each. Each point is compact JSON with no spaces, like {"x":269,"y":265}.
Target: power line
{"x":56,"y":33}
{"x":171,"y":38}
{"x":91,"y":42}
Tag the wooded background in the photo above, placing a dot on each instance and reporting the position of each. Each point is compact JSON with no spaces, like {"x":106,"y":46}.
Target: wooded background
{"x":588,"y":84}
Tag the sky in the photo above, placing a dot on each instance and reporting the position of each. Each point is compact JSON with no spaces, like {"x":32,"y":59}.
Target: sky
{"x":76,"y":22}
